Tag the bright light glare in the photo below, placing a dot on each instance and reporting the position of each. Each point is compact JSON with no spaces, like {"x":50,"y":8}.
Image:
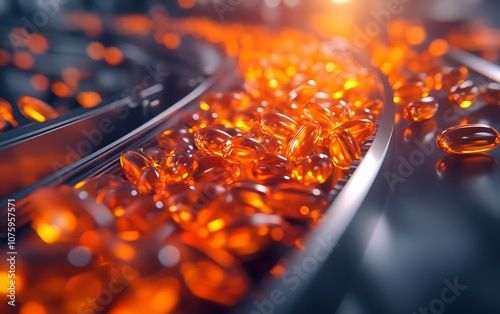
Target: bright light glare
{"x":339,"y":1}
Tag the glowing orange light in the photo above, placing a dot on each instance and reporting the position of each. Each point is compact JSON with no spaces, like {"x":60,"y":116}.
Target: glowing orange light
{"x":438,"y":47}
{"x":4,"y":58}
{"x":61,"y":89}
{"x":38,"y":44}
{"x":96,"y":50}
{"x":40,"y":82}
{"x":88,"y":99}
{"x":186,"y":4}
{"x":113,"y":56}
{"x":23,"y":60}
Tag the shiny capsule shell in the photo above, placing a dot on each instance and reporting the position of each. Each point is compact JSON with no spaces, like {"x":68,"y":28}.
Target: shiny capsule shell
{"x":149,"y":181}
{"x":295,"y":201}
{"x":133,"y":163}
{"x":490,"y":94}
{"x":303,"y":143}
{"x":6,"y":112}
{"x":35,"y":109}
{"x":321,"y":115}
{"x":361,"y":129}
{"x":409,"y":92}
{"x":344,"y":148}
{"x":301,"y":95}
{"x":177,"y":167}
{"x":468,"y":139}
{"x":210,"y":140}
{"x":242,"y":149}
{"x":176,"y":140}
{"x":215,"y":169}
{"x":464,"y":94}
{"x":270,"y":165}
{"x":449,"y":77}
{"x":314,"y":170}
{"x":155,"y":154}
{"x":362,"y":113}
{"x":420,"y":110}
{"x":278,"y":125}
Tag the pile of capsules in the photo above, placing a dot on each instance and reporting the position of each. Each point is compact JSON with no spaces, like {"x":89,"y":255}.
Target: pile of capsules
{"x":233,"y":184}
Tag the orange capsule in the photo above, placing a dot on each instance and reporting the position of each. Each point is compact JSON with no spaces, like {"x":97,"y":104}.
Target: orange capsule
{"x":323,"y":116}
{"x":420,"y":110}
{"x":490,"y":94}
{"x":35,"y":109}
{"x":302,"y":143}
{"x":117,"y":198}
{"x":361,"y":129}
{"x":270,"y":165}
{"x":344,"y":148}
{"x":340,"y":110}
{"x":301,"y":95}
{"x":3,"y":124}
{"x":242,"y":149}
{"x":272,"y":144}
{"x":177,"y":167}
{"x":375,"y":106}
{"x":155,"y":154}
{"x":409,"y":92}
{"x":278,"y":125}
{"x":210,"y":140}
{"x":215,"y":169}
{"x":149,"y":181}
{"x":449,"y":77}
{"x":176,"y":140}
{"x":133,"y":164}
{"x":6,"y":112}
{"x":314,"y":170}
{"x":199,"y":120}
{"x":295,"y":201}
{"x":362,"y":113}
{"x":468,"y":139}
{"x":464,"y":94}
{"x":93,"y":186}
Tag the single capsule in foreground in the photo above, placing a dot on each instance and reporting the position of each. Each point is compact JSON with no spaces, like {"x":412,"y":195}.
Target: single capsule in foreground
{"x":35,"y":109}
{"x":361,"y":129}
{"x":468,"y":139}
{"x":420,"y":110}
{"x":408,"y":92}
{"x":210,"y":140}
{"x":278,"y":125}
{"x":242,"y":149}
{"x":302,"y":144}
{"x":343,"y":148}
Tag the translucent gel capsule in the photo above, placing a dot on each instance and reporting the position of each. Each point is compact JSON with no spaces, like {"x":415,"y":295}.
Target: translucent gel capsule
{"x":409,"y":92}
{"x":199,"y":120}
{"x":241,"y":149}
{"x":303,"y":142}
{"x":374,"y":106}
{"x":314,"y":170}
{"x":344,"y":148}
{"x":35,"y":109}
{"x":468,"y":139}
{"x":93,"y":186}
{"x":449,"y":77}
{"x":215,"y":169}
{"x":420,"y":110}
{"x":278,"y":125}
{"x":464,"y":94}
{"x":270,"y":165}
{"x":323,"y":116}
{"x":133,"y":163}
{"x":361,"y":129}
{"x":118,"y":197}
{"x":177,"y":140}
{"x":148,"y":181}
{"x":340,"y":110}
{"x":362,"y":113}
{"x":6,"y":112}
{"x":210,"y":140}
{"x":155,"y":154}
{"x":296,"y":201}
{"x":177,"y":167}
{"x":490,"y":94}
{"x":301,"y":95}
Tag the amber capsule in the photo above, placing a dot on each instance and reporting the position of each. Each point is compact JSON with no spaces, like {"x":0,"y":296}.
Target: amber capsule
{"x":344,"y":148}
{"x":409,"y":92}
{"x":323,"y":116}
{"x":278,"y":125}
{"x":464,"y":94}
{"x":210,"y":140}
{"x":177,"y":167}
{"x":133,"y":163}
{"x":420,"y":110}
{"x":177,"y":140}
{"x":296,"y":201}
{"x":301,"y":95}
{"x":93,"y":186}
{"x":362,"y":113}
{"x":302,"y":143}
{"x":149,"y":181}
{"x":156,"y":155}
{"x":449,"y":77}
{"x":35,"y":109}
{"x":361,"y":129}
{"x":314,"y":170}
{"x":6,"y":112}
{"x":215,"y":169}
{"x":270,"y":165}
{"x":375,"y":106}
{"x":490,"y":94}
{"x":199,"y":120}
{"x":242,"y":149}
{"x":468,"y":139}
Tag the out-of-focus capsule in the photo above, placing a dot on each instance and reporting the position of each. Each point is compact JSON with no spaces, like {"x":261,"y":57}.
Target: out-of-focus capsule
{"x":314,"y":170}
{"x":270,"y":165}
{"x":199,"y":120}
{"x":210,"y":140}
{"x":148,"y":181}
{"x":409,"y":92}
{"x":35,"y":109}
{"x":176,"y":141}
{"x":245,"y":120}
{"x":323,"y":116}
{"x":278,"y":125}
{"x":361,"y":129}
{"x":449,"y":77}
{"x":490,"y":94}
{"x":93,"y":186}
{"x":177,"y":167}
{"x":362,"y":113}
{"x":303,"y":142}
{"x":422,"y":109}
{"x":296,"y":201}
{"x":6,"y":112}
{"x":464,"y":94}
{"x":241,"y":149}
{"x":116,"y":198}
{"x":301,"y":95}
{"x":215,"y":169}
{"x":375,"y":106}
{"x":133,"y":163}
{"x":344,"y":148}
{"x":340,"y":110}
{"x":172,"y":189}
{"x":156,"y":155}
{"x":468,"y":139}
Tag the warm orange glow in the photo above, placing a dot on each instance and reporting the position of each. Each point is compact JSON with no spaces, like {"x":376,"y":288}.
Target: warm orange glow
{"x":40,"y":82}
{"x":33,"y":308}
{"x":96,"y":50}
{"x":71,"y":76}
{"x":186,"y":4}
{"x":88,"y":99}
{"x":38,"y":44}
{"x":415,"y":35}
{"x":90,"y":239}
{"x":6,"y":112}
{"x":113,"y":56}
{"x":438,"y":47}
{"x":4,"y":57}
{"x":135,"y":24}
{"x":125,"y":252}
{"x":61,"y":89}
{"x":171,"y":41}
{"x":35,"y":109}
{"x":23,"y":60}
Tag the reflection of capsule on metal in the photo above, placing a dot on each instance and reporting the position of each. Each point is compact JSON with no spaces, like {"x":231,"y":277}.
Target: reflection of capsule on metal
{"x":456,"y":166}
{"x":421,"y":131}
